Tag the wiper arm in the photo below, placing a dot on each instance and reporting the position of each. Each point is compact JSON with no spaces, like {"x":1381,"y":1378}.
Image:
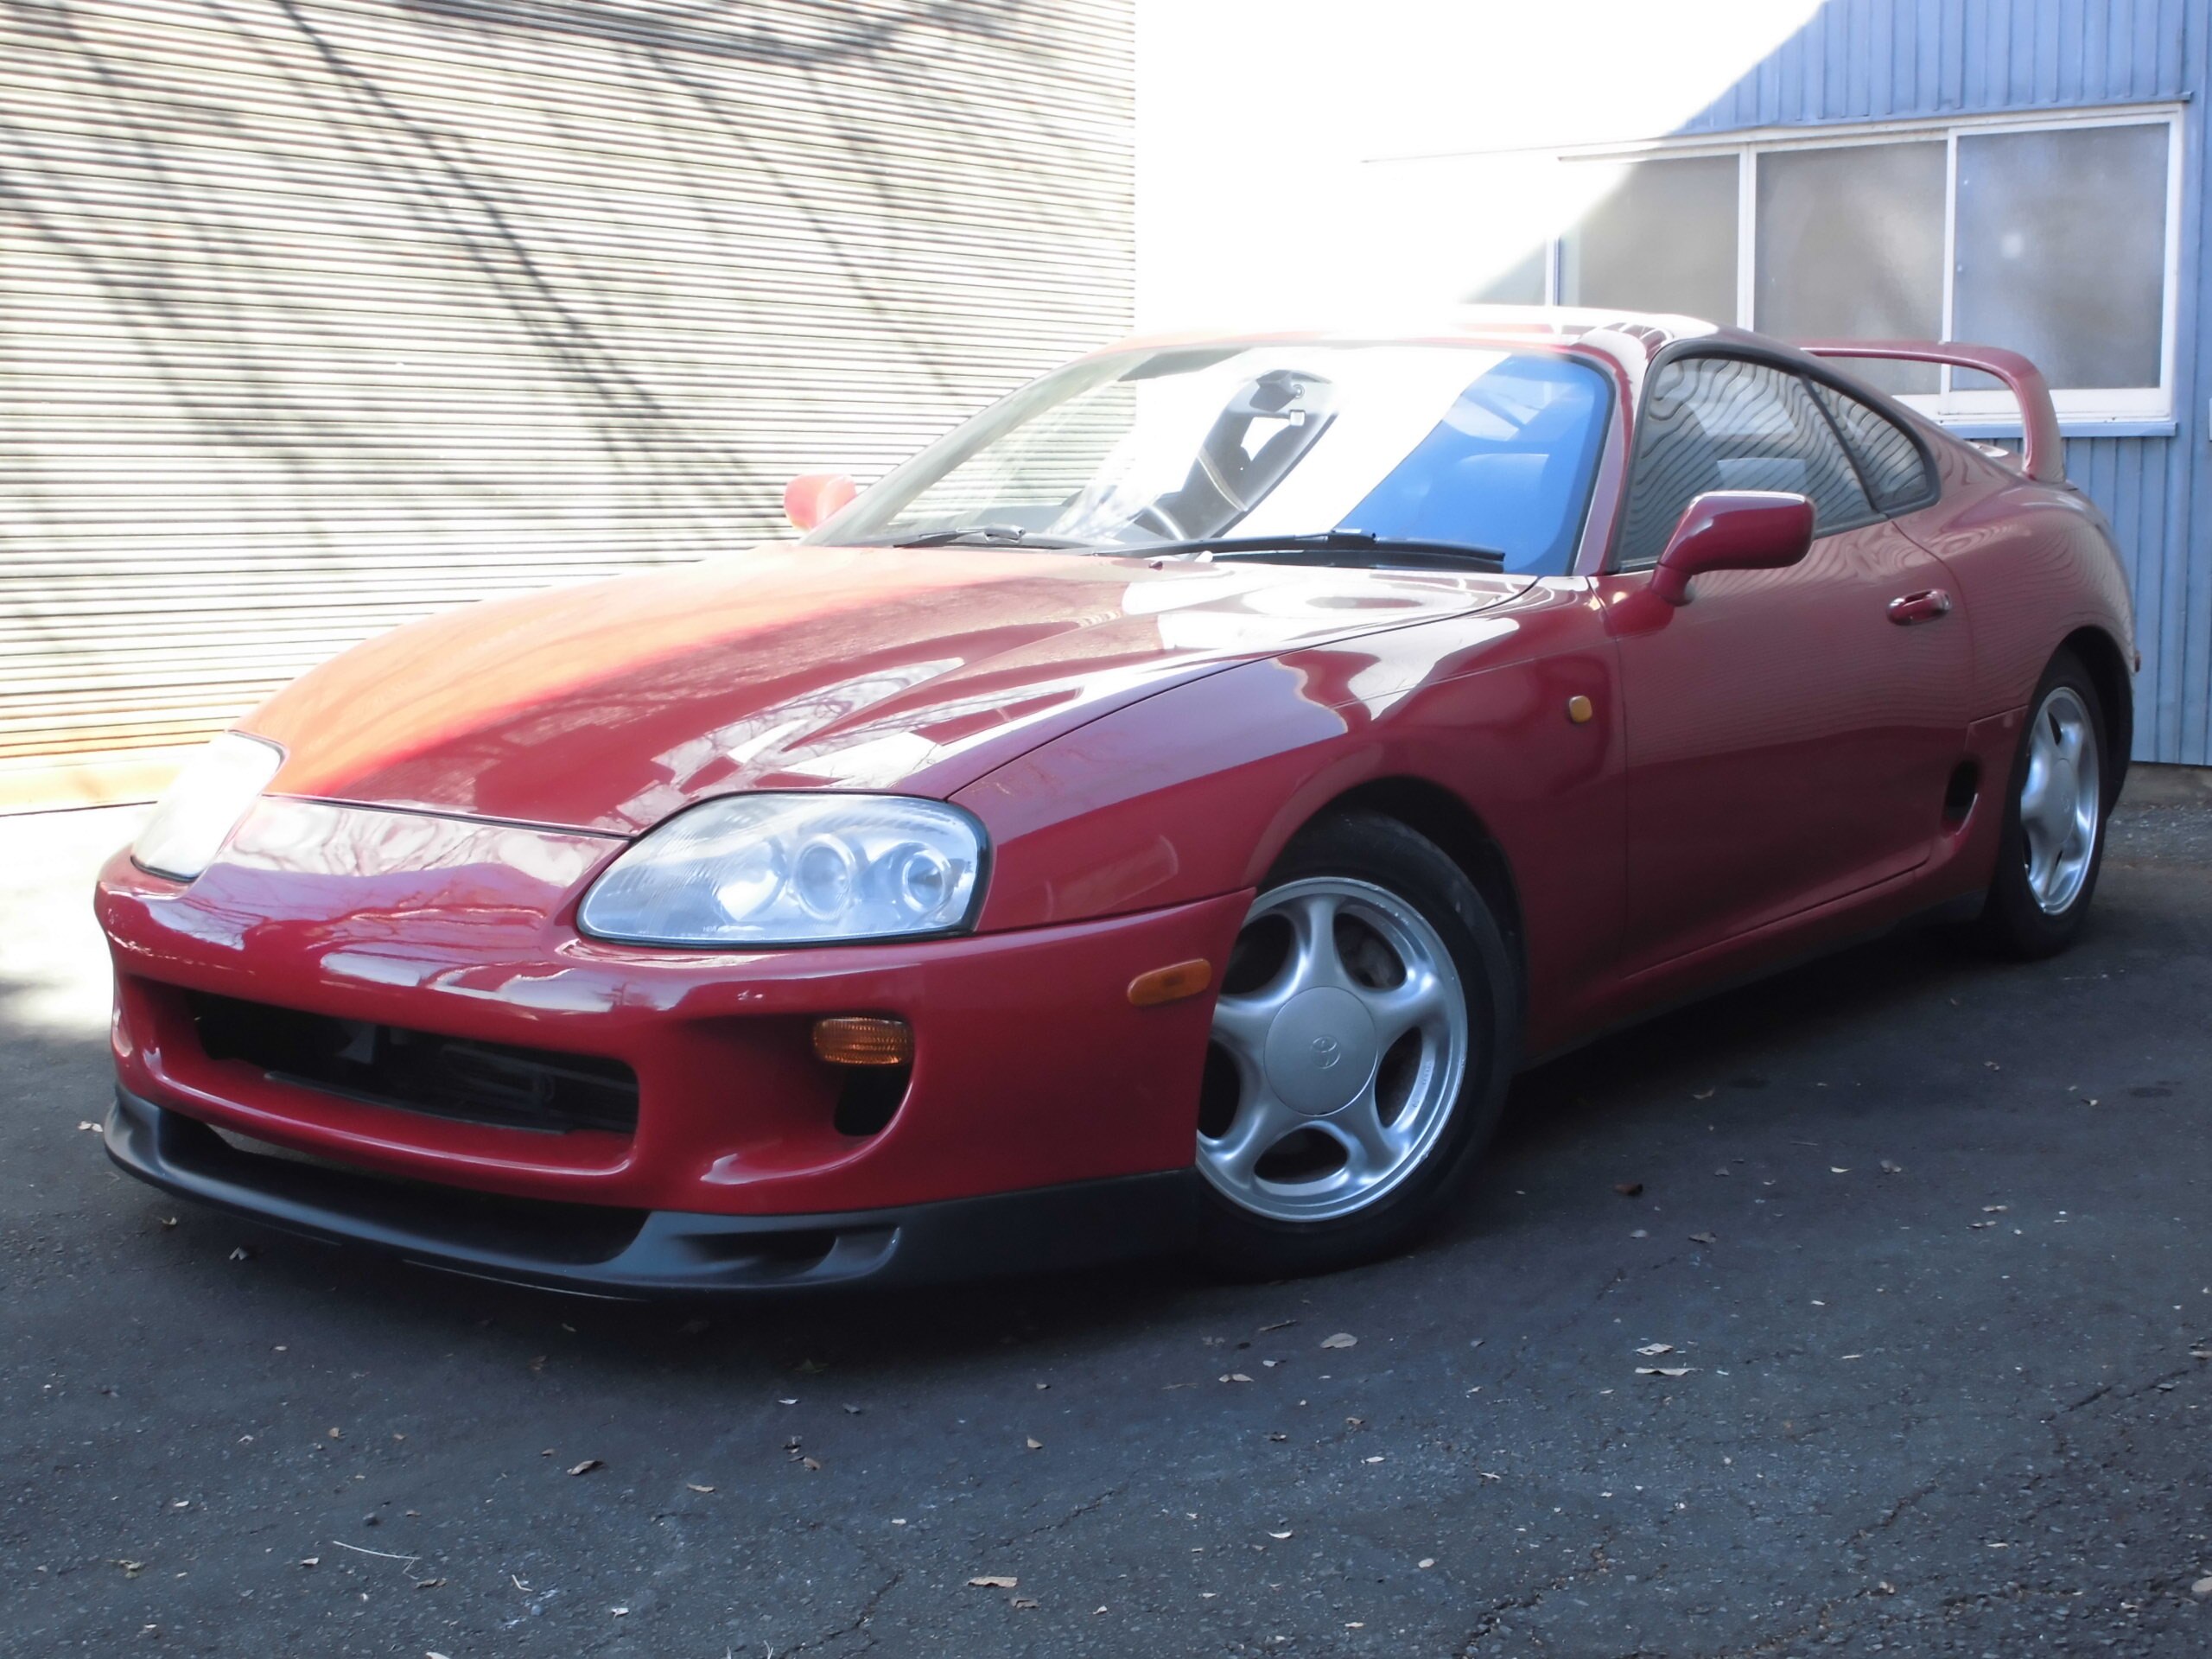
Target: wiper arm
{"x":1315,"y":547}
{"x":986,"y":536}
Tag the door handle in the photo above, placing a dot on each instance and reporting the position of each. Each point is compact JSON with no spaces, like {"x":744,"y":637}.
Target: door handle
{"x":1920,"y":607}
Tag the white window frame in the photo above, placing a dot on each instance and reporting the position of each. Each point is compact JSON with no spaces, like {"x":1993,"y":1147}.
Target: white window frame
{"x":2087,"y":409}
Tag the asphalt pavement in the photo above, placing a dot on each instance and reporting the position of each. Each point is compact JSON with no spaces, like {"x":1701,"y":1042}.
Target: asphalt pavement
{"x":1903,"y":1344}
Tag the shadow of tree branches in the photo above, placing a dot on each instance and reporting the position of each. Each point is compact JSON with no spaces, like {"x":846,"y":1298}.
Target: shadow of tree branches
{"x":326,"y":313}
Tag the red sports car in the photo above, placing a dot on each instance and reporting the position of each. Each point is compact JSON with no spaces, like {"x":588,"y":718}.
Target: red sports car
{"x":1163,"y":815}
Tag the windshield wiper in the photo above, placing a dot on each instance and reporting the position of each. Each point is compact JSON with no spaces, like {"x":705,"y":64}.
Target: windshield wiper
{"x":986,"y":536}
{"x":1315,"y":548}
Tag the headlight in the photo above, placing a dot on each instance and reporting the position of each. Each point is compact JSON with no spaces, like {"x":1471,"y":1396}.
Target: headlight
{"x":791,"y":869}
{"x":205,"y":803}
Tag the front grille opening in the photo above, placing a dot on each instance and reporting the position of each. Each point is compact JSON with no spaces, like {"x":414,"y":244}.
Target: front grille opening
{"x":421,"y":1072}
{"x":1959,"y":795}
{"x":867,"y":1095}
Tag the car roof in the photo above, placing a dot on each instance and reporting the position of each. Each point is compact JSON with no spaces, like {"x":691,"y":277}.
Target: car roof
{"x":1633,"y":337}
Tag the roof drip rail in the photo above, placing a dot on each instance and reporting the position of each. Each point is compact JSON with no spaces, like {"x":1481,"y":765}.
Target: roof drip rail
{"x":2042,"y":456}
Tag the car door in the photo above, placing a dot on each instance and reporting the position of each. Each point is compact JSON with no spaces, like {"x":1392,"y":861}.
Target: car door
{"x":1790,"y":734}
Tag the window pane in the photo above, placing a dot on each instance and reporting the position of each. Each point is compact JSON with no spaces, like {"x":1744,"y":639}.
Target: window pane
{"x":1721,"y":423}
{"x":2062,"y":250}
{"x":1664,"y":240}
{"x":1887,"y":457}
{"x":1850,"y":245}
{"x":1520,"y":284}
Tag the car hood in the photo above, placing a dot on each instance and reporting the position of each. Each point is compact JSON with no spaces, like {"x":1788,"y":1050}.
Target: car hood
{"x":609,"y":705}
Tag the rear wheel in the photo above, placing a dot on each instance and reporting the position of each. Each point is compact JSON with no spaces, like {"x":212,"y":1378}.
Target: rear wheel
{"x":2053,"y":840}
{"x":1363,"y":1041}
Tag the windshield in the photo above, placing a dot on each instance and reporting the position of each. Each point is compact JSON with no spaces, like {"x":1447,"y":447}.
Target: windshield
{"x":1439,"y":444}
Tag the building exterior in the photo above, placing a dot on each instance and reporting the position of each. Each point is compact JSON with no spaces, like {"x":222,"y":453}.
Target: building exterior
{"x":318,"y":314}
{"x":2021,"y":173}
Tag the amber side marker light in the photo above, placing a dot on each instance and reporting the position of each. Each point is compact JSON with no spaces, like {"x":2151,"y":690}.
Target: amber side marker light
{"x":864,"y":1039}
{"x":1171,"y":984}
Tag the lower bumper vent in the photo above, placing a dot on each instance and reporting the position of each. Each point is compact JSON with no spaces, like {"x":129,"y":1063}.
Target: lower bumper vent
{"x":421,"y":1072}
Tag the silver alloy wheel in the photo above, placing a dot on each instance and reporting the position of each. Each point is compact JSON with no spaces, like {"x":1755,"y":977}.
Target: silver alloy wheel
{"x":2061,"y":800}
{"x":1347,"y":1059}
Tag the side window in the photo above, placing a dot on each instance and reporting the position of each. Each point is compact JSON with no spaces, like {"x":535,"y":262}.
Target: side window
{"x":1724,"y":423}
{"x":1887,"y":458}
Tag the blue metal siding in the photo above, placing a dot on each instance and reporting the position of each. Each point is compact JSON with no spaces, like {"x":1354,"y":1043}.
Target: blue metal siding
{"x":1885,"y":60}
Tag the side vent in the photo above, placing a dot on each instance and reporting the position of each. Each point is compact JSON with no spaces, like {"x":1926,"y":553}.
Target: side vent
{"x":1959,"y":794}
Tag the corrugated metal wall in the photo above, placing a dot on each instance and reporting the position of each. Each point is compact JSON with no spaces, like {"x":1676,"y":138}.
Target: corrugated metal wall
{"x":317,"y":314}
{"x":1873,"y":59}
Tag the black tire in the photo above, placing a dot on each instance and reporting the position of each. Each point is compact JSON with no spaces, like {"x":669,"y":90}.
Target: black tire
{"x":1370,"y":847}
{"x":2013,"y":922}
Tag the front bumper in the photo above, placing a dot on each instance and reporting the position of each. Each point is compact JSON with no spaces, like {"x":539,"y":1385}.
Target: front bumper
{"x":1032,"y":1073}
{"x":592,"y":1251}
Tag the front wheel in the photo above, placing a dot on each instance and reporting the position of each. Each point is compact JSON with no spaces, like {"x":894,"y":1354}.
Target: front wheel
{"x":1362,"y":1044}
{"x":2053,"y":841}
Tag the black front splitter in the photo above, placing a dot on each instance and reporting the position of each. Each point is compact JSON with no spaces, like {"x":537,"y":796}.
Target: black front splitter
{"x":593,"y":1250}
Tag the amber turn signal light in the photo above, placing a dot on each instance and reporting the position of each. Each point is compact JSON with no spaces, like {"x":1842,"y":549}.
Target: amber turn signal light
{"x":864,"y":1039}
{"x":1171,"y":984}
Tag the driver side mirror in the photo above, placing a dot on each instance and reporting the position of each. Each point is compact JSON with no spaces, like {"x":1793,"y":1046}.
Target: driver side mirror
{"x":1732,"y":530}
{"x":812,"y":498}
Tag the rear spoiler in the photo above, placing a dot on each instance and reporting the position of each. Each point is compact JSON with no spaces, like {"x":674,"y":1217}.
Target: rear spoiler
{"x":2042,"y":456}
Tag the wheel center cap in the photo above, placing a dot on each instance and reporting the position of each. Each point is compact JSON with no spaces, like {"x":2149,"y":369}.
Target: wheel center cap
{"x":1320,"y":1051}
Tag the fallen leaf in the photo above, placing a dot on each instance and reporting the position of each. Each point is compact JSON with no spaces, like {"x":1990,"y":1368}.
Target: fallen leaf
{"x":619,"y":1612}
{"x":1024,"y":1602}
{"x":1342,"y":1339}
{"x":1426,"y":1562}
{"x":586,"y":1466}
{"x":1278,"y":1437}
{"x":696,"y":1487}
{"x":787,"y":1403}
{"x":1234,"y":1377}
{"x":311,"y":1560}
{"x":1721,"y":1171}
{"x":1653,"y":1350}
{"x":169,"y":1220}
{"x":332,"y":1433}
{"x":1375,"y":1459}
{"x":812,"y":1464}
{"x":994,"y":1583}
{"x":1664,"y":1370}
{"x":1703,"y":1238}
{"x":1280,"y":1324}
{"x":1279,"y":1537}
{"x":1838,"y":1169}
{"x":131,"y":1569}
{"x":2201,"y":1588}
{"x":1702,"y":1094}
{"x":427,"y":1584}
{"x":1034,"y":1444}
{"x":1628,"y":1188}
{"x":86,"y":1123}
{"x":1890,"y":1166}
{"x":241,"y":1254}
